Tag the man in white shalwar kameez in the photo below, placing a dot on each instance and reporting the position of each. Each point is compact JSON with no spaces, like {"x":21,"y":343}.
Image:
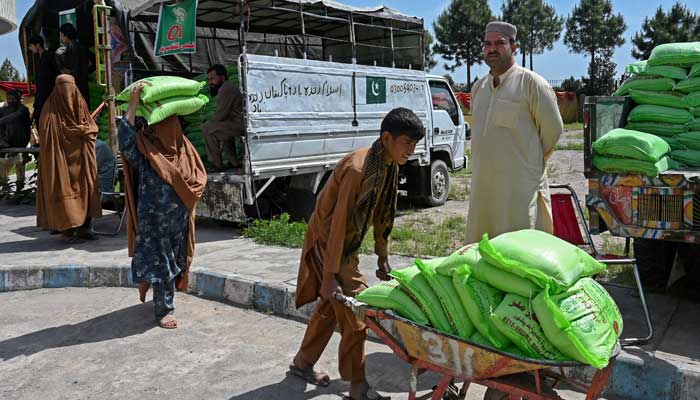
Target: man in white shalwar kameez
{"x":516,"y":126}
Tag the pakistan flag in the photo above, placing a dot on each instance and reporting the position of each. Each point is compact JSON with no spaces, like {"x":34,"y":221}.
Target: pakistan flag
{"x":376,"y":90}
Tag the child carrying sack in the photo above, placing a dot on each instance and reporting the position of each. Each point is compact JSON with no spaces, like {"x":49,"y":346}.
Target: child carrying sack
{"x":449,"y":299}
{"x":515,"y":318}
{"x":480,"y":299}
{"x":388,"y":295}
{"x":161,"y":87}
{"x":418,"y":288}
{"x":540,"y":257}
{"x":584,"y":322}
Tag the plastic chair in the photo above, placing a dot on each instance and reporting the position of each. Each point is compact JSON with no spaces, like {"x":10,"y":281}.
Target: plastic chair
{"x":566,"y":213}
{"x":114,"y":196}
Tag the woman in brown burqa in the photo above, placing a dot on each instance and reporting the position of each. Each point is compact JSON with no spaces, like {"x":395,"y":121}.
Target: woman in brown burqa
{"x":68,"y":193}
{"x":164,"y":180}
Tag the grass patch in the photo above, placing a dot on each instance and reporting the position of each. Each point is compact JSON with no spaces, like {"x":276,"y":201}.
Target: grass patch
{"x":459,"y":191}
{"x":278,"y":231}
{"x":420,"y":237}
{"x":572,"y":126}
{"x":569,"y":146}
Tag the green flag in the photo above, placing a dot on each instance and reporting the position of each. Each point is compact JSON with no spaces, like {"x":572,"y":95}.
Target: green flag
{"x":376,"y":90}
{"x":68,"y":17}
{"x":177,"y":28}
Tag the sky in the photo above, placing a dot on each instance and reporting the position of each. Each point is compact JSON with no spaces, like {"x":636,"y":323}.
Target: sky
{"x":552,"y":65}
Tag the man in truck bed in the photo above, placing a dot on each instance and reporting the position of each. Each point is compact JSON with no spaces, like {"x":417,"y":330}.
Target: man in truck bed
{"x":227,"y":122}
{"x":516,"y":125}
{"x":361,"y":193}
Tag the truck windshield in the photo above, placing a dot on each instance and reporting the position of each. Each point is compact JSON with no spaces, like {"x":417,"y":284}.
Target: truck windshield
{"x":443,"y":100}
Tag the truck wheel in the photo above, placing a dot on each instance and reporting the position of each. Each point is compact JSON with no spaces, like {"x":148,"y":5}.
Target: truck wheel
{"x":654,"y":260}
{"x":439,"y":184}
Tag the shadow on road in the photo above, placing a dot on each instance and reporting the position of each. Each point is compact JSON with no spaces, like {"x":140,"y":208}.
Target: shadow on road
{"x":118,"y":324}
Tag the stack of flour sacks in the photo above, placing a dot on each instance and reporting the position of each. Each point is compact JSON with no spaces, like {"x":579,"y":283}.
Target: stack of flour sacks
{"x":164,"y":96}
{"x":666,"y":91}
{"x":527,"y":293}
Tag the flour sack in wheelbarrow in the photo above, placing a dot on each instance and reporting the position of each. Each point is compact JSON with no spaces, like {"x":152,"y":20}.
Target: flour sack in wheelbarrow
{"x":449,"y":299}
{"x":540,"y":257}
{"x":516,"y":319}
{"x":480,"y":299}
{"x":481,"y":270}
{"x":389,"y":295}
{"x":161,"y":87}
{"x":418,"y":288}
{"x":478,"y":338}
{"x":583,"y":322}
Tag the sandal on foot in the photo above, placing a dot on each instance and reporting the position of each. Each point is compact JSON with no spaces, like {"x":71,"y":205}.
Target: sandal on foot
{"x":168,"y":322}
{"x":311,"y":376}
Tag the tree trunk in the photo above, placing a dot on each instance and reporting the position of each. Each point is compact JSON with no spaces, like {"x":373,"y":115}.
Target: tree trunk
{"x":522,"y":50}
{"x":531,"y":61}
{"x":469,"y":75}
{"x":593,"y":69}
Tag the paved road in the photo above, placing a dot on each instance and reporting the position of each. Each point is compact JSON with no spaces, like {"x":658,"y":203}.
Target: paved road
{"x":80,"y":343}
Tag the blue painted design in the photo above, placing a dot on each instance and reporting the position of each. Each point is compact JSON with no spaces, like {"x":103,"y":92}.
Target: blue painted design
{"x":211,"y":284}
{"x":268,"y":298}
{"x":65,"y":276}
{"x":648,"y":378}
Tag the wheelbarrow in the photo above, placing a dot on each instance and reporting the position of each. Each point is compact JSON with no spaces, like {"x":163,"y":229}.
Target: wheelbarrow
{"x":507,"y":376}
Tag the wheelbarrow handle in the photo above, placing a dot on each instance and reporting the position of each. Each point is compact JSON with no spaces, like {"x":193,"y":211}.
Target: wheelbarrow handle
{"x":357,"y":307}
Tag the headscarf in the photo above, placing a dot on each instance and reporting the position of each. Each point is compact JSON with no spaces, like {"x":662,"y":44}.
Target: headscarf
{"x":67,"y":188}
{"x":177,"y":162}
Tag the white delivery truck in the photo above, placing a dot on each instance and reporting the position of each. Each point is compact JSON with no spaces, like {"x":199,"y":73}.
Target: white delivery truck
{"x":303,"y":116}
{"x":318,"y":77}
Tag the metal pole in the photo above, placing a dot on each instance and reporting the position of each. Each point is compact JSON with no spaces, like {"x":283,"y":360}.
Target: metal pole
{"x":303,"y":28}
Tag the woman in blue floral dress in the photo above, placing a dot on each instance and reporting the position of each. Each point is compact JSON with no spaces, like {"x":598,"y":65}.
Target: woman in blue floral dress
{"x":164,"y":178}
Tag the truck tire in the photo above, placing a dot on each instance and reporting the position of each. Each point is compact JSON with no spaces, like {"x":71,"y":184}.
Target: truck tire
{"x":654,"y":260}
{"x":438,"y":184}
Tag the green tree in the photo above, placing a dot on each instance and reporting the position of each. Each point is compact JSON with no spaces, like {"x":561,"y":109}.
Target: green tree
{"x":678,"y":25}
{"x":459,"y":31}
{"x":428,"y":54}
{"x":539,"y":26}
{"x":593,"y":29}
{"x":450,"y":81}
{"x":8,"y":72}
{"x":601,"y":81}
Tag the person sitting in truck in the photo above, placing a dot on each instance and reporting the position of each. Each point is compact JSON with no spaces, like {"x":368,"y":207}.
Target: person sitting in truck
{"x":15,"y":125}
{"x":227,"y":122}
{"x":361,"y":192}
{"x":516,"y":126}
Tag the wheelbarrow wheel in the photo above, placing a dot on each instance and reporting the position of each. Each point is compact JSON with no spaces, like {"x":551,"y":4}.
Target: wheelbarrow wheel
{"x":494,"y":394}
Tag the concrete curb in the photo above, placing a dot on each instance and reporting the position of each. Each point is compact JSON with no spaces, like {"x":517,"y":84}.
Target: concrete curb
{"x":637,"y":374}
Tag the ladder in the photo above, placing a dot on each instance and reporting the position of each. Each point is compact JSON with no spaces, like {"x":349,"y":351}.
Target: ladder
{"x":103,"y":64}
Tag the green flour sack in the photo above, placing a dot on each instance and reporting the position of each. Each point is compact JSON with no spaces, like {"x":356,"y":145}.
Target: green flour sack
{"x":161,"y":87}
{"x":389,"y":295}
{"x":543,"y":258}
{"x":649,"y":113}
{"x":693,"y":99}
{"x":694,"y":71}
{"x":449,"y":299}
{"x":693,"y":125}
{"x":627,"y":166}
{"x":657,"y":128}
{"x":515,"y":318}
{"x":641,"y":68}
{"x":479,"y":339}
{"x":480,"y":299}
{"x":686,"y":53}
{"x":467,"y":255}
{"x":690,"y":158}
{"x":690,"y":85}
{"x":418,"y":288}
{"x":666,"y":99}
{"x":158,"y":111}
{"x":690,"y":140}
{"x":631,"y":144}
{"x":645,"y":83}
{"x":584,"y":322}
{"x":674,"y":143}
